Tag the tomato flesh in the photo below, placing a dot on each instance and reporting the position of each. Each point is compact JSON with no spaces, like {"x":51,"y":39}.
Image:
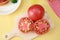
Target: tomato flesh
{"x":2,"y":1}
{"x":41,"y":26}
{"x":25,"y":24}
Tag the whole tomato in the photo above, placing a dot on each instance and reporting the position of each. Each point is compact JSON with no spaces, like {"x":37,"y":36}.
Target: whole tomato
{"x":36,"y":12}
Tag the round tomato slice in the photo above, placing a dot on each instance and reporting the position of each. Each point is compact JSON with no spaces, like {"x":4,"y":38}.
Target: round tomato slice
{"x":41,"y":26}
{"x":36,"y":12}
{"x":2,"y":2}
{"x":25,"y":24}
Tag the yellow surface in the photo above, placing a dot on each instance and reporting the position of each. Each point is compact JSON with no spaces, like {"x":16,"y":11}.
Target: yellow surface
{"x":7,"y":23}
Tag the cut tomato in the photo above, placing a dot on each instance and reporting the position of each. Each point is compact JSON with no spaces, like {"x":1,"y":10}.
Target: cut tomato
{"x":41,"y":26}
{"x":3,"y":2}
{"x":25,"y":24}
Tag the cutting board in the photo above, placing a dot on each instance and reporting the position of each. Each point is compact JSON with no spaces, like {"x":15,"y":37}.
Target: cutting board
{"x":7,"y":23}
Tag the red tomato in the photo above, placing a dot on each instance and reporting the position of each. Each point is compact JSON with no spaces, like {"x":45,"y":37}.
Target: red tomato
{"x":3,"y":2}
{"x":41,"y":26}
{"x":25,"y":24}
{"x":36,"y":12}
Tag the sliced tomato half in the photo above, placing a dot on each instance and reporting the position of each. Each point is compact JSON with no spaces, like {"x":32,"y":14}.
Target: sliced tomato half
{"x":41,"y":26}
{"x":25,"y":24}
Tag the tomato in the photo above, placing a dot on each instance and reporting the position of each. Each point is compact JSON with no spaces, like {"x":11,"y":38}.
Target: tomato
{"x":36,"y":12}
{"x":3,"y":2}
{"x":25,"y":24}
{"x":41,"y":26}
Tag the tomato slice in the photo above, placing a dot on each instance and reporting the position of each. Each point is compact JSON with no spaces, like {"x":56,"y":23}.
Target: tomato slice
{"x":3,"y":2}
{"x":25,"y":24}
{"x":36,"y":12}
{"x":41,"y":26}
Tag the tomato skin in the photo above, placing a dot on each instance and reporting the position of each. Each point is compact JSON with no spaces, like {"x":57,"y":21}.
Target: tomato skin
{"x":41,"y":26}
{"x":36,"y":12}
{"x":25,"y":24}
